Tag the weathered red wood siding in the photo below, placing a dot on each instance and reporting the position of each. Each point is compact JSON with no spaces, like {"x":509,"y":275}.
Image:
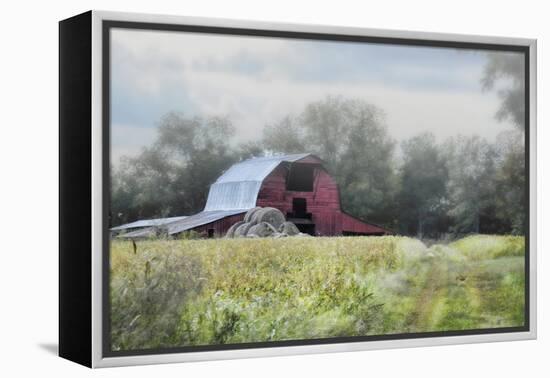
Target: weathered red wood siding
{"x":351,"y":224}
{"x":323,"y":202}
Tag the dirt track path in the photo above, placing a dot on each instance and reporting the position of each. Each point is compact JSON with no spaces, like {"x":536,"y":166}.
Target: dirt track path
{"x":421,"y":317}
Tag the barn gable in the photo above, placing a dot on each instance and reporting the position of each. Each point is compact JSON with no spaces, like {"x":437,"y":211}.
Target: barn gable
{"x":314,"y":207}
{"x":238,"y":187}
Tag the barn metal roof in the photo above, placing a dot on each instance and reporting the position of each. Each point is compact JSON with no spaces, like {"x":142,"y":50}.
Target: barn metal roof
{"x":147,"y":223}
{"x":141,"y":233}
{"x":238,"y":187}
{"x":204,"y":217}
{"x":190,"y":222}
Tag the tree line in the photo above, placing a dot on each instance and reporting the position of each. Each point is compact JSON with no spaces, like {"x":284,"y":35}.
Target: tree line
{"x":421,"y":187}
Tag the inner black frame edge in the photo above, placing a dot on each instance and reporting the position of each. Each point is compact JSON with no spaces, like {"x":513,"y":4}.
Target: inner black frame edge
{"x":107,"y":25}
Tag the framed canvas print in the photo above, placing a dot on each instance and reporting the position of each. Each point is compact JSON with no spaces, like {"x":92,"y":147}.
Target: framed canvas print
{"x":235,"y":189}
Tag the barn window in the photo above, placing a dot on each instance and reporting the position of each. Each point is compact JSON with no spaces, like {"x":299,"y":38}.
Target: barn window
{"x":300,"y":177}
{"x":299,"y":207}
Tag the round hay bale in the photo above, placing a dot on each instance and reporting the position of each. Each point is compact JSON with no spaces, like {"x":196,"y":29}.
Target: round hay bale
{"x":252,"y":231}
{"x":262,"y":230}
{"x":278,"y":235}
{"x":270,"y":215}
{"x":242,"y":230}
{"x":254,"y":217}
{"x":289,"y":228}
{"x":231,"y":232}
{"x":250,"y":213}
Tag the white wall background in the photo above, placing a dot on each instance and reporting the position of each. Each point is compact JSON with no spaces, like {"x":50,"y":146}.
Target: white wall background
{"x":28,"y":200}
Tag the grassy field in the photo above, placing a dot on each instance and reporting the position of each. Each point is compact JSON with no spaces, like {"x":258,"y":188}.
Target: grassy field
{"x":197,"y":292}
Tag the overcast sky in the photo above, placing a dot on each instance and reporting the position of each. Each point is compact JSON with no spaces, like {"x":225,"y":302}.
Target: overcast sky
{"x":257,"y":80}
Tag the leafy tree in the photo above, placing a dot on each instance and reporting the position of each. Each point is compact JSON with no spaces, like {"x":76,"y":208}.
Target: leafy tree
{"x":173,"y":176}
{"x":284,"y":136}
{"x":422,"y":196}
{"x":365,"y":169}
{"x":471,"y":164}
{"x":508,"y":71}
{"x":510,"y":182}
{"x":326,"y":126}
{"x":248,"y":150}
{"x":506,"y":74}
{"x":139,"y":185}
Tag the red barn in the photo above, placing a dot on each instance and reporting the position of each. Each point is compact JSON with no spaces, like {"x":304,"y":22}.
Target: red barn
{"x":298,"y":185}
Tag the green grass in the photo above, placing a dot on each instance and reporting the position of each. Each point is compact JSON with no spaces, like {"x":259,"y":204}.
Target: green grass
{"x":200,"y":292}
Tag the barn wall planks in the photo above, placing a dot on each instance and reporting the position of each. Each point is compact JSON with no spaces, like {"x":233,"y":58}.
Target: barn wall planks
{"x":323,"y":202}
{"x":354,"y":225}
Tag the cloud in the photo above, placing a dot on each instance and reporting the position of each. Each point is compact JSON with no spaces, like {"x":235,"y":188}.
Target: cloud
{"x":257,"y":80}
